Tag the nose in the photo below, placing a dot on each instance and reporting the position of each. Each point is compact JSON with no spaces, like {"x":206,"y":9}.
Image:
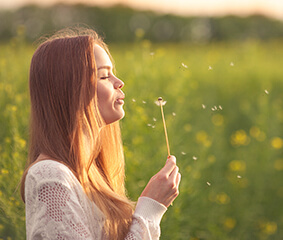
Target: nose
{"x":118,"y":83}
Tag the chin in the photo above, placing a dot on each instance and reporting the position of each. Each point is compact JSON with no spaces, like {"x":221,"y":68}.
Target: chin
{"x":114,"y":118}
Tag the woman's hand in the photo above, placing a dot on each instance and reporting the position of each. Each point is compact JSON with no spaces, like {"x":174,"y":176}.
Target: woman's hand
{"x":164,"y":186}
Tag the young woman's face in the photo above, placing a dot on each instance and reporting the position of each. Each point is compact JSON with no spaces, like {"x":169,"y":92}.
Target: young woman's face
{"x":109,"y":93}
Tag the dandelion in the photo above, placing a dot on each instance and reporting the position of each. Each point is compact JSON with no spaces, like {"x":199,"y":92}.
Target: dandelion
{"x":195,"y":158}
{"x":209,"y":68}
{"x":134,"y":100}
{"x":208,"y":183}
{"x":183,"y":153}
{"x":266,"y":91}
{"x":174,"y":114}
{"x":203,"y":106}
{"x":231,"y":64}
{"x":184,"y":65}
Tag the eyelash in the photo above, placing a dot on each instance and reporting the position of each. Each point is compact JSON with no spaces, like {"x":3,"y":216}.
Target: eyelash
{"x":103,"y":78}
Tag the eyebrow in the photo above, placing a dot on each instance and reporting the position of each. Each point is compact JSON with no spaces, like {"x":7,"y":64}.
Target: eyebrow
{"x":104,"y":67}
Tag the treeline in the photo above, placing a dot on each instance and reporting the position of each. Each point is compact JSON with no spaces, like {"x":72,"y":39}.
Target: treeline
{"x":123,"y":24}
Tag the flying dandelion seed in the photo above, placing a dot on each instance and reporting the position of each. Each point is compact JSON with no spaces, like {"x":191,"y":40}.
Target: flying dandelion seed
{"x":174,"y":114}
{"x":144,"y":102}
{"x":220,"y":107}
{"x":203,"y":106}
{"x":149,"y":125}
{"x":239,"y":176}
{"x":151,"y":54}
{"x":208,"y":183}
{"x":183,"y":153}
{"x":209,"y":68}
{"x":153,"y":126}
{"x":134,"y":100}
{"x":232,"y":64}
{"x":266,"y":91}
{"x":154,"y":119}
{"x":184,"y":65}
{"x":195,"y":158}
{"x":213,"y":109}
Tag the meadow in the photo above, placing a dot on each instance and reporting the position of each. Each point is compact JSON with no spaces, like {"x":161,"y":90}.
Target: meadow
{"x":224,"y":116}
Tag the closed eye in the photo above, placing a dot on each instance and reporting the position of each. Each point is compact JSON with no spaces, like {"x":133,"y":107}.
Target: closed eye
{"x":106,"y":77}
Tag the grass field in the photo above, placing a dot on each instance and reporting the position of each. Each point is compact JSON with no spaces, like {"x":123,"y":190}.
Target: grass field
{"x":224,"y":115}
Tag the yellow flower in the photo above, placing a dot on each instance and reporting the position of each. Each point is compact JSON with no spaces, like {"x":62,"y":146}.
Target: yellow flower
{"x":256,"y":133}
{"x":4,"y":171}
{"x":268,"y":227}
{"x":229,"y":223}
{"x":277,"y":142}
{"x":237,"y":165}
{"x":222,"y":198}
{"x":203,"y":138}
{"x":239,"y":138}
{"x":188,"y":127}
{"x":217,"y":120}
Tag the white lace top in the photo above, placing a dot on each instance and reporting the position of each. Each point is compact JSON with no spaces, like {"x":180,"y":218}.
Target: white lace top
{"x":57,"y":208}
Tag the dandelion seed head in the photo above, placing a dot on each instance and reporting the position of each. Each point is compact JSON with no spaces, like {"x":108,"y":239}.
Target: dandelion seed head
{"x":160,"y":102}
{"x":195,"y":158}
{"x":208,"y":183}
{"x":266,"y":91}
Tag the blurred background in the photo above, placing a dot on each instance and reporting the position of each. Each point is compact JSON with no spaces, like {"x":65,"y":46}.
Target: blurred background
{"x":218,"y":64}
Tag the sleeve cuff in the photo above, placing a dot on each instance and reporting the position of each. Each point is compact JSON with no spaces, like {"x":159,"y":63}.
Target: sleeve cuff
{"x":150,"y":209}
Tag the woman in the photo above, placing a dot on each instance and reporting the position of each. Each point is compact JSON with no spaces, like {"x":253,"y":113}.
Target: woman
{"x":73,"y":186}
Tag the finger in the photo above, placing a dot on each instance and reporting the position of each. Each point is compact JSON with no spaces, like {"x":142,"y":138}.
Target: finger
{"x":178,"y":180}
{"x":169,"y":165}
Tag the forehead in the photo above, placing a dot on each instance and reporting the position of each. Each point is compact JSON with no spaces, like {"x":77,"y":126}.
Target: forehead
{"x":101,"y":57}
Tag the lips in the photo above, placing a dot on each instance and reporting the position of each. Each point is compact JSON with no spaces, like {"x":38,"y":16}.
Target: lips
{"x":121,"y":99}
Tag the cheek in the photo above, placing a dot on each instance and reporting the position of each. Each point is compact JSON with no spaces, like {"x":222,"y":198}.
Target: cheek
{"x":104,"y":94}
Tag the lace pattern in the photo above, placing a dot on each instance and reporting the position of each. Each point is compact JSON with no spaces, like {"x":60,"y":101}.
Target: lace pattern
{"x":57,"y":208}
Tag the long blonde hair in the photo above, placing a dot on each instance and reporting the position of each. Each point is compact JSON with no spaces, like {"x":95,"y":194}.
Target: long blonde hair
{"x":66,"y":124}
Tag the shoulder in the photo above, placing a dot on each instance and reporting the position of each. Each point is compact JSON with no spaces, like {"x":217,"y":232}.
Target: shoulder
{"x":51,"y":171}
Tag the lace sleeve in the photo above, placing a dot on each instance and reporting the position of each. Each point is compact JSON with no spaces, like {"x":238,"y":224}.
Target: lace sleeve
{"x":53,"y":210}
{"x":146,"y":220}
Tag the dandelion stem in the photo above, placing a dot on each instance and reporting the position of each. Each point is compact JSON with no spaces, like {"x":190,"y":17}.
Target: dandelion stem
{"x":164,"y":125}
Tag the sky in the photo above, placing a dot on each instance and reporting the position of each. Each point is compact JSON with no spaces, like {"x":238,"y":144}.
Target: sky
{"x":272,"y":8}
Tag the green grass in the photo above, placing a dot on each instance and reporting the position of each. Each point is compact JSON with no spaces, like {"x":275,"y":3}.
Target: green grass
{"x":234,"y":189}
